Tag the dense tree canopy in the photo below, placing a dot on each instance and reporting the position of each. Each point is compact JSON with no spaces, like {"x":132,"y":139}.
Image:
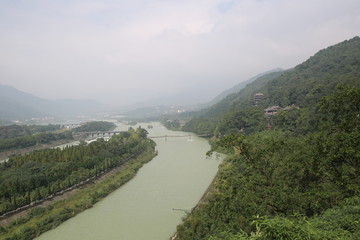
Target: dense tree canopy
{"x":33,"y":176}
{"x":298,"y":178}
{"x":22,"y":136}
{"x":279,"y":175}
{"x":95,"y":126}
{"x":12,"y":131}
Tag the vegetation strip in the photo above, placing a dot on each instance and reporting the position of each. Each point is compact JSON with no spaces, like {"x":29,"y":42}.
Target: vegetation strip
{"x":50,"y":197}
{"x":15,"y":137}
{"x":42,"y":219}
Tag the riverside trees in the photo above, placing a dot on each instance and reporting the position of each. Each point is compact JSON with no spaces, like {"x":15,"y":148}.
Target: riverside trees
{"x":22,"y":136}
{"x":24,"y":179}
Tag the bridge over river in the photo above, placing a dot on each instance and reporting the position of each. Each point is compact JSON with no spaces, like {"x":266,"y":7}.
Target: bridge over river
{"x":108,"y":134}
{"x":152,"y":204}
{"x":182,"y":135}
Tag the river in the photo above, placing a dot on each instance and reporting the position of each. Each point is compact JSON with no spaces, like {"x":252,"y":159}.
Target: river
{"x":144,"y":207}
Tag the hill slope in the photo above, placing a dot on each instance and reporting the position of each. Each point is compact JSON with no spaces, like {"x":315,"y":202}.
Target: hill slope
{"x":18,"y":105}
{"x":299,"y":179}
{"x":10,"y":109}
{"x":241,"y":85}
{"x":302,"y":86}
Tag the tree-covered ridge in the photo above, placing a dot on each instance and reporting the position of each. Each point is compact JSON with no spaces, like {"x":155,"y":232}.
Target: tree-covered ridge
{"x":96,"y":126}
{"x":298,"y":178}
{"x":283,"y":178}
{"x":27,"y":178}
{"x":302,"y":86}
{"x":22,"y":136}
{"x":317,"y":77}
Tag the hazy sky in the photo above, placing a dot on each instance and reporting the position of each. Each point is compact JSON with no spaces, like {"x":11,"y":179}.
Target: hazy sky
{"x":127,"y":51}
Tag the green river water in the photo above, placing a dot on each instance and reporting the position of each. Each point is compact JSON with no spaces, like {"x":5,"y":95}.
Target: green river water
{"x":143,"y":209}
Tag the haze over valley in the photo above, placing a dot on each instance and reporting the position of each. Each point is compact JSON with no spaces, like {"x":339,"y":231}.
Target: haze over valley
{"x":122,"y":53}
{"x":181,"y":120}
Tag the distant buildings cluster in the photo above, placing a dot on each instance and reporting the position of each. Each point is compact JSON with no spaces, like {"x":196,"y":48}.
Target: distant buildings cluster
{"x":271,"y":111}
{"x":258,"y":97}
{"x":71,"y":126}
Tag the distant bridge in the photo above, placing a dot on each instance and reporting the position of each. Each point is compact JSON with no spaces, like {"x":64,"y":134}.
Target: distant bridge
{"x":183,"y":135}
{"x":100,"y":134}
{"x":104,"y":134}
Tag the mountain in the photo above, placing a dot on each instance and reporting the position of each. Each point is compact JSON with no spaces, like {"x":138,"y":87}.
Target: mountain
{"x":302,"y":86}
{"x":242,"y":85}
{"x":292,"y":172}
{"x":18,"y":105}
{"x":246,"y":92}
{"x":11,"y":109}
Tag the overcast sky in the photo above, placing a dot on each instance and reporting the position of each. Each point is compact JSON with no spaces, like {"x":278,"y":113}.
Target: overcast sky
{"x":127,"y":51}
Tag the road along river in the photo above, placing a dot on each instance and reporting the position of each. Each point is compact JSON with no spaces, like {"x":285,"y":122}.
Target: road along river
{"x":148,"y":207}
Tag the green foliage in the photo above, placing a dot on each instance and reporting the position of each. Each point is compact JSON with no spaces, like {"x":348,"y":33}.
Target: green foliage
{"x":242,"y":121}
{"x":96,"y":126}
{"x":319,"y":76}
{"x":200,"y":126}
{"x":340,"y":222}
{"x":342,"y":108}
{"x":303,"y":86}
{"x":25,"y":179}
{"x":287,"y":183}
{"x":12,"y":131}
{"x":22,"y":136}
{"x":42,"y":219}
{"x":173,"y":124}
{"x":214,"y":119}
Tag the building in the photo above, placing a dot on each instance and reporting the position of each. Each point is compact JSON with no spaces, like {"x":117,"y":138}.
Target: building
{"x":258,"y":97}
{"x":271,"y":111}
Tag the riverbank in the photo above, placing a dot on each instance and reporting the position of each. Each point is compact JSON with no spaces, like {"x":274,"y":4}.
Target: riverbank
{"x":43,"y":218}
{"x":143,"y":209}
{"x":210,"y":191}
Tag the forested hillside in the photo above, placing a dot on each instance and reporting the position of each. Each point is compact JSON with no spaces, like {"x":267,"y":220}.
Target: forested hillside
{"x":302,"y":86}
{"x":293,"y":173}
{"x":241,"y":85}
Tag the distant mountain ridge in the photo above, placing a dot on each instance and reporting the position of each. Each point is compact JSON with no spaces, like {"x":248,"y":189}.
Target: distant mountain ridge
{"x":247,"y":91}
{"x":19,"y":105}
{"x":157,"y":108}
{"x":302,"y":86}
{"x":240,"y":86}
